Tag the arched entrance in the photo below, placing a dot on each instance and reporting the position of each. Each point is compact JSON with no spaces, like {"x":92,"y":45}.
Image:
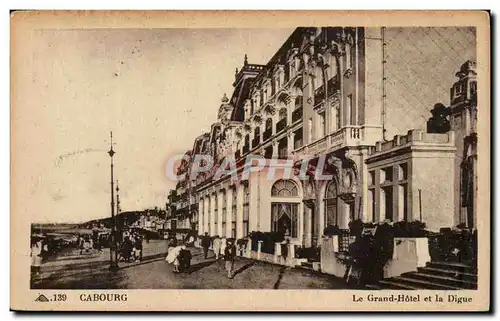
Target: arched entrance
{"x":285,"y":202}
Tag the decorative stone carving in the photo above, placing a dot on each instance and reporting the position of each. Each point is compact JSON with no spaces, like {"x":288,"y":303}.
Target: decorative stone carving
{"x":348,"y":73}
{"x":270,"y":110}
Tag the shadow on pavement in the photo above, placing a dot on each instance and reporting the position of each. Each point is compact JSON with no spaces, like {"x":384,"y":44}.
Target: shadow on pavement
{"x":145,"y":260}
{"x":243,"y":268}
{"x":199,"y":266}
{"x":280,"y":276}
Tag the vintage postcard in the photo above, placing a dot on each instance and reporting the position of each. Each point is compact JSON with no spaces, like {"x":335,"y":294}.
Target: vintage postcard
{"x":250,"y":161}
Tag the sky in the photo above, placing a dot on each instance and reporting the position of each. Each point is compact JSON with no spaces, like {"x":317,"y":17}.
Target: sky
{"x":156,"y":89}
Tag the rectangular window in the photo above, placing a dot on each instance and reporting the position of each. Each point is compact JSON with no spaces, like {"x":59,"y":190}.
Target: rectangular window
{"x":284,"y":218}
{"x":223,"y":234}
{"x":372,"y":205}
{"x":233,"y":230}
{"x":403,"y":171}
{"x":386,"y":175}
{"x":387,"y":201}
{"x":371,"y":178}
{"x":350,"y":109}
{"x":333,"y":118}
{"x":322,"y":125}
{"x":245,"y":229}
{"x":403,"y":200}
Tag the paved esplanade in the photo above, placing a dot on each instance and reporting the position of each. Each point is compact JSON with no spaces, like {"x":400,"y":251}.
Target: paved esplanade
{"x":90,"y":271}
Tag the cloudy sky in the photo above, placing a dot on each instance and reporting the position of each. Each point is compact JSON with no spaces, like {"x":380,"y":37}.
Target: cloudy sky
{"x":156,"y":89}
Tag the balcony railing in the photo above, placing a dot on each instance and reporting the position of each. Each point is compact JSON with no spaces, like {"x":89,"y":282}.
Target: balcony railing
{"x":297,"y":114}
{"x":347,"y":136}
{"x":280,"y":125}
{"x":267,"y":134}
{"x":237,"y":154}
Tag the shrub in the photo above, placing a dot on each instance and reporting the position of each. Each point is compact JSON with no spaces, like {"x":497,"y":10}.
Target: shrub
{"x":313,"y":253}
{"x":356,"y":227}
{"x":409,"y":229}
{"x":241,"y":242}
{"x":268,"y":239}
{"x":331,"y":230}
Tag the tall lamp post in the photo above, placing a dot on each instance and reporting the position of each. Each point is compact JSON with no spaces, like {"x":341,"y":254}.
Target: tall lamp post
{"x":118,"y":209}
{"x":113,"y":260}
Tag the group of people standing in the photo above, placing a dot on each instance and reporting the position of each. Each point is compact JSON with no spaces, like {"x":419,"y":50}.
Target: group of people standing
{"x":178,"y":255}
{"x":222,"y":247}
{"x":131,"y":247}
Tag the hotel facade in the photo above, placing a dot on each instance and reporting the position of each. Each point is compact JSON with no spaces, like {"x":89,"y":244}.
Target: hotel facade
{"x":371,"y":106}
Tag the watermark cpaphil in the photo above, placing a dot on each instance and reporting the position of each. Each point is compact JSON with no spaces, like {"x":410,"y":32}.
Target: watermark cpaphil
{"x":184,"y":166}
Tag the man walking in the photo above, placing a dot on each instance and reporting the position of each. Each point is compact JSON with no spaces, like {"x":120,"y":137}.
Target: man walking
{"x":205,"y":244}
{"x":229,"y":255}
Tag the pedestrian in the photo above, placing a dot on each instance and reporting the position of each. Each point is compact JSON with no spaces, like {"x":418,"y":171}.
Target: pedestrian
{"x":190,"y":241}
{"x":205,"y":244}
{"x":223,"y":245}
{"x":229,"y":255}
{"x":216,"y":246}
{"x":126,"y":249}
{"x":81,"y":245}
{"x":173,"y":257}
{"x":184,"y":259}
{"x":138,"y":249}
{"x":37,"y":249}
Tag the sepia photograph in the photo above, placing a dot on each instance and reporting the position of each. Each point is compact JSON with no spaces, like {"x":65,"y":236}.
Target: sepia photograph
{"x":306,"y":156}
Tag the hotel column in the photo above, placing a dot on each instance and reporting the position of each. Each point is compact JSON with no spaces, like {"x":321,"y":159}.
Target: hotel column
{"x":200,"y":215}
{"x":291,"y":109}
{"x":275,"y":148}
{"x":344,"y":216}
{"x":239,"y":211}
{"x":206,"y":215}
{"x":291,"y":137}
{"x":229,"y":210}
{"x":212,"y":214}
{"x":219,"y":212}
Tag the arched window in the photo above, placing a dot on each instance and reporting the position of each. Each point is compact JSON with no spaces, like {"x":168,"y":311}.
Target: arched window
{"x":298,"y":102}
{"x":269,"y":124}
{"x":282,"y":113}
{"x":284,"y":215}
{"x":285,"y":188}
{"x":256,"y":132}
{"x":331,"y":217}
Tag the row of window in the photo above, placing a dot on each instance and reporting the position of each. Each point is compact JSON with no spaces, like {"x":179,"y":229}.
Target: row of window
{"x":386,"y":174}
{"x":319,"y":74}
{"x":233,"y":212}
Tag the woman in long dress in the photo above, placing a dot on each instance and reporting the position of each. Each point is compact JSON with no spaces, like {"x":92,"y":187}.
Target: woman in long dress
{"x":223,"y":246}
{"x":173,"y":257}
{"x":216,"y":246}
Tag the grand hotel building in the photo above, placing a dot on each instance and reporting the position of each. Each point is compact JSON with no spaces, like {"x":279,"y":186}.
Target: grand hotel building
{"x":362,"y":97}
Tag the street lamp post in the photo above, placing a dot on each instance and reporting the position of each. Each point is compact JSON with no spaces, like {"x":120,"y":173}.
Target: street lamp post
{"x":113,"y":260}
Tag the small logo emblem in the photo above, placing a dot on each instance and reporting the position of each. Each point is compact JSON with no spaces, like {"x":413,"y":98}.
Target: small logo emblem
{"x":42,"y":298}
